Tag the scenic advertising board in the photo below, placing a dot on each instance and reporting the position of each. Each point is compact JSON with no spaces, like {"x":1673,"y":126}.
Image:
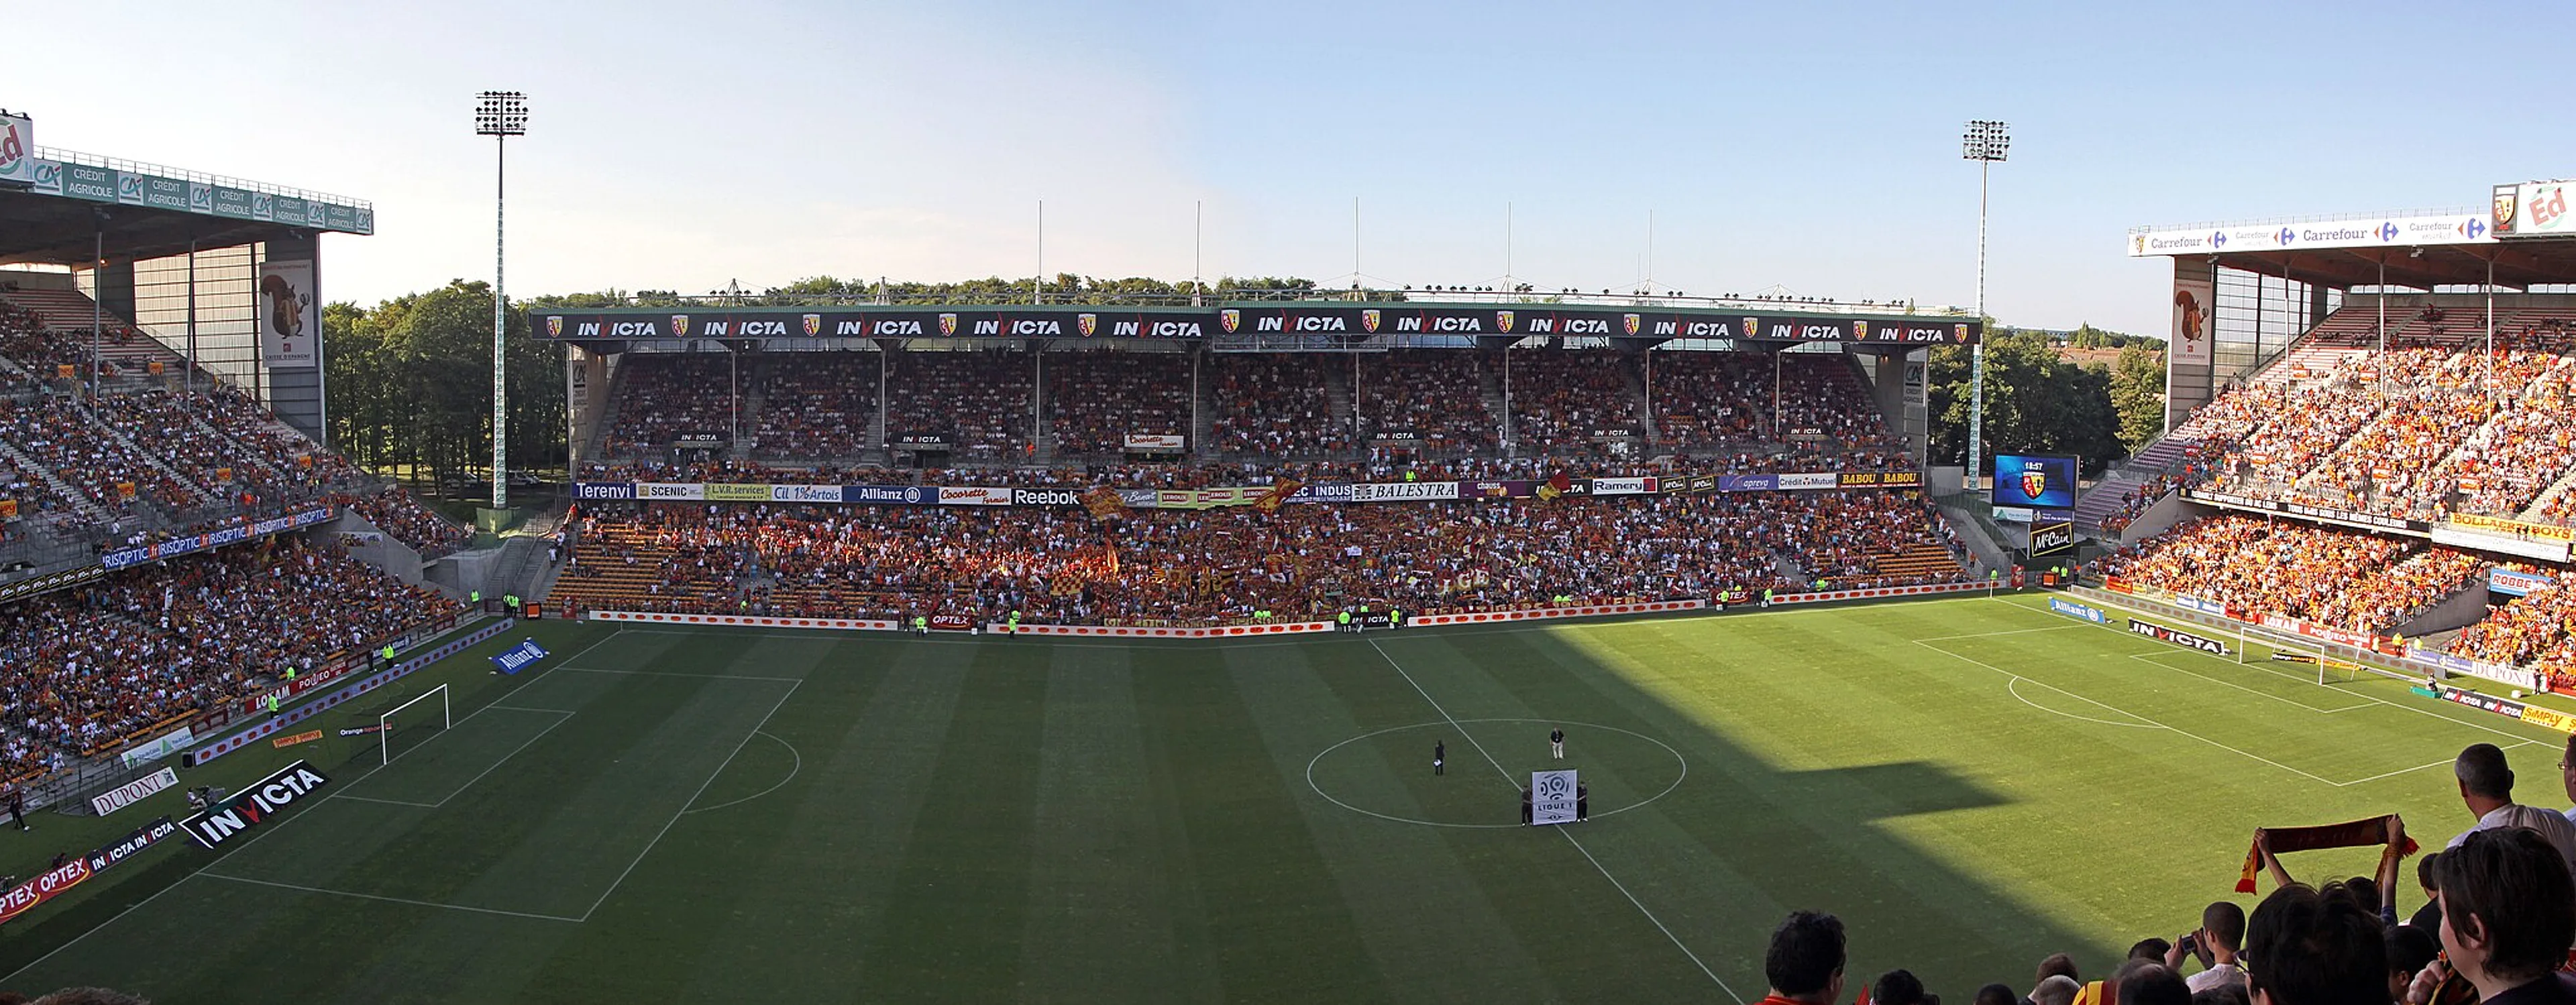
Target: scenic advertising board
{"x":1355,"y":323}
{"x":2035,"y":481}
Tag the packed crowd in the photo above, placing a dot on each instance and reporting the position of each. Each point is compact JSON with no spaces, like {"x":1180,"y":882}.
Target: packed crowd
{"x":1704,"y":399}
{"x":670,"y":396}
{"x":1568,"y":402}
{"x":2537,"y":628}
{"x":2134,"y":503}
{"x":1095,"y":400}
{"x":2496,"y":925}
{"x":91,"y":666}
{"x":403,"y":516}
{"x":979,"y":400}
{"x":816,"y":405}
{"x":1274,"y":406}
{"x":1060,"y":565}
{"x":1436,"y":394}
{"x":2343,"y":578}
{"x":87,"y":456}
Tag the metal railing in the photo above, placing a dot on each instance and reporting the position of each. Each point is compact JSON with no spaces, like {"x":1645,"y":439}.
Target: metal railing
{"x":163,"y":170}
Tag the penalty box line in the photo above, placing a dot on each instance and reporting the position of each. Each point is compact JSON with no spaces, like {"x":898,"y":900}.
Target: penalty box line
{"x":262,"y":834}
{"x":1561,"y":831}
{"x":756,"y":730}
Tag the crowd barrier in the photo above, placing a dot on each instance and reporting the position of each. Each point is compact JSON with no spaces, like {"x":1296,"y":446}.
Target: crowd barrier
{"x":218,"y":748}
{"x":1219,"y":632}
{"x":1551,"y":613}
{"x":746,"y":621}
{"x":1830,"y":596}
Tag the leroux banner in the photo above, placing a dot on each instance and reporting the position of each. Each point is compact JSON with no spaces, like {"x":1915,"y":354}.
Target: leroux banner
{"x":1357,"y":323}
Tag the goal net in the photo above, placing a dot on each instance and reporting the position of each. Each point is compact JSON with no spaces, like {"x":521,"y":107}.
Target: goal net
{"x":412,"y":723}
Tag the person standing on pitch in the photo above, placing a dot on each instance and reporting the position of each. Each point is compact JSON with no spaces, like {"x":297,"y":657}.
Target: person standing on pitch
{"x":1439,"y":757}
{"x":18,"y":809}
{"x":1556,"y":742}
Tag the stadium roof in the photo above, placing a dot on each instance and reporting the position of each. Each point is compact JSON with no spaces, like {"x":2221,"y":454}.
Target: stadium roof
{"x":2419,"y":249}
{"x":76,"y":201}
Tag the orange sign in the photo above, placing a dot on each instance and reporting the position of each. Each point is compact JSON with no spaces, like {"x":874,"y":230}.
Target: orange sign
{"x":307,"y":736}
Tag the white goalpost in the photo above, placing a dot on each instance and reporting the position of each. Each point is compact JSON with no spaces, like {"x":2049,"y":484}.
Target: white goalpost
{"x":385,"y":723}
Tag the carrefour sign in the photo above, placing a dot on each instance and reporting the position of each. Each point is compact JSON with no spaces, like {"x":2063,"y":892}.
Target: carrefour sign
{"x":2353,"y":232}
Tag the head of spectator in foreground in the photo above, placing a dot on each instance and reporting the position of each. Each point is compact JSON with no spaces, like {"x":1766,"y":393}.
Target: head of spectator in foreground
{"x":1805,"y":961}
{"x":2567,"y":768}
{"x":2485,"y":782}
{"x":1996,"y":994}
{"x":2150,"y":948}
{"x":2153,"y":984}
{"x":2057,"y":965}
{"x":2314,"y":947}
{"x":2409,"y":949}
{"x":2224,"y":994}
{"x":2508,"y":909}
{"x":1900,"y":987}
{"x":2057,"y":989}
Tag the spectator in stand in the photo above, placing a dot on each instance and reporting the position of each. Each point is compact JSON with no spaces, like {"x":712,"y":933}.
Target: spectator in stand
{"x":2508,"y":920}
{"x":2315,"y":947}
{"x":1805,"y":962}
{"x":2410,"y":949}
{"x":2486,"y":788}
{"x":2214,"y":943}
{"x":2155,"y":984}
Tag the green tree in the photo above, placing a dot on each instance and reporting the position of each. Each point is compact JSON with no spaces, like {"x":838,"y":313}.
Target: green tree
{"x":2035,"y":402}
{"x":2138,"y":394}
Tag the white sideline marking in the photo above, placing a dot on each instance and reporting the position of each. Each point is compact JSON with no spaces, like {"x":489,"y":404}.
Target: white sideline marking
{"x":389,"y":900}
{"x":1564,"y":832}
{"x":2014,"y":679}
{"x":1989,"y":635}
{"x":264,"y":832}
{"x":2151,"y":658}
{"x":700,"y":676}
{"x":756,"y":730}
{"x":2454,"y":720}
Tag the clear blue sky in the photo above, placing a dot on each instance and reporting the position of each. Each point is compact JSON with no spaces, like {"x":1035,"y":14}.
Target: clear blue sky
{"x":1809,"y":145}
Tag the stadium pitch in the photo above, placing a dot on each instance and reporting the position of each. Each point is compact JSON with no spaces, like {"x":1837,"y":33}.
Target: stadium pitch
{"x":728,"y":815}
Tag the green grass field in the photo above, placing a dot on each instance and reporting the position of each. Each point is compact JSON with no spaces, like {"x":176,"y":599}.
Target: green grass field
{"x":733,"y":816}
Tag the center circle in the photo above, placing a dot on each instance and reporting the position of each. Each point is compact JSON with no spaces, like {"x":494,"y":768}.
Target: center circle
{"x":1473,"y":758}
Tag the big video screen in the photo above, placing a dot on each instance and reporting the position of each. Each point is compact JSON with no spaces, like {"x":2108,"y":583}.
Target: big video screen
{"x":2038,"y":481}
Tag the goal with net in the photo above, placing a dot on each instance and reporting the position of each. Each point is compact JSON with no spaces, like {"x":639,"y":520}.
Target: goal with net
{"x":411,"y":723}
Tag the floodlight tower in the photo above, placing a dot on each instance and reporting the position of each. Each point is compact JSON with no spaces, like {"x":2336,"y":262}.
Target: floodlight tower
{"x":500,"y":115}
{"x":1986,"y":142}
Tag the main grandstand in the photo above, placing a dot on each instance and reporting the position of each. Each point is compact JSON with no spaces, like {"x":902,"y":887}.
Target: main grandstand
{"x":1162,"y":465}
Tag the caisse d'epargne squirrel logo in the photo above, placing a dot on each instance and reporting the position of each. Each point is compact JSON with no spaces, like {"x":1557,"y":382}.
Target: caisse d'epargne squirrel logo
{"x":2190,"y":321}
{"x":285,"y":306}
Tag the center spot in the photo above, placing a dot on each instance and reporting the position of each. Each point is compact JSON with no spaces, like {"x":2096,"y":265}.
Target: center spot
{"x":1387,"y":773}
